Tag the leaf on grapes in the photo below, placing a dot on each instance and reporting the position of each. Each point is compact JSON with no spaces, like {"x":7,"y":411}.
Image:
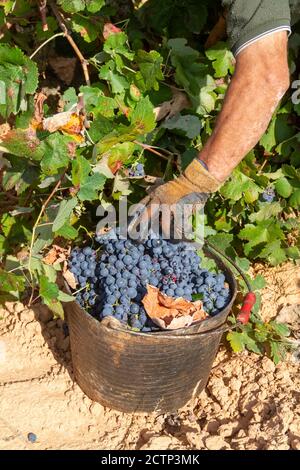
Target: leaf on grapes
{"x":56,"y":154}
{"x":105,"y":107}
{"x":250,"y":343}
{"x":72,"y":6}
{"x":120,"y":153}
{"x":56,"y":254}
{"x":293,"y":252}
{"x":169,"y":313}
{"x":118,"y":82}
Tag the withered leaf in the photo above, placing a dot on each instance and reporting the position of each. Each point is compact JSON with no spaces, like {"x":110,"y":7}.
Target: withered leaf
{"x":169,"y":313}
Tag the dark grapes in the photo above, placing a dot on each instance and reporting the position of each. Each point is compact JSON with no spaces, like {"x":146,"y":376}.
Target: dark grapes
{"x":137,"y":170}
{"x":268,"y":195}
{"x":114,"y":282}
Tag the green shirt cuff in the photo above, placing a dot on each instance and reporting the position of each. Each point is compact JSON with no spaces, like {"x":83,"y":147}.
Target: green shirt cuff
{"x":260,"y":31}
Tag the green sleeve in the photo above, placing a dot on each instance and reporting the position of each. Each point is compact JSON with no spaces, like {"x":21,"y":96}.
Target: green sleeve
{"x":248,"y":20}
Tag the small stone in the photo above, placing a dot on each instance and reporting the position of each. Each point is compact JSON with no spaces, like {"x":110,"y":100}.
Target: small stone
{"x":215,"y":443}
{"x":31,"y":437}
{"x":235,"y":384}
{"x":268,"y":365}
{"x":96,"y":409}
{"x":226,"y":430}
{"x":295,"y":443}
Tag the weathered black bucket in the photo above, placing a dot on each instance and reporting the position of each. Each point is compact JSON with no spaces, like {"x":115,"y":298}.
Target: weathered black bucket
{"x":144,"y":372}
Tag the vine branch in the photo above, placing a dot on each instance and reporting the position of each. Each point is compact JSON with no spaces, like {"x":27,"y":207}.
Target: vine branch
{"x":43,"y":7}
{"x":43,"y":208}
{"x":44,"y":43}
{"x":63,"y":27}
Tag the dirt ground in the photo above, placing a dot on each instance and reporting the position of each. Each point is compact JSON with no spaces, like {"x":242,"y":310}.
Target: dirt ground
{"x":248,"y":402}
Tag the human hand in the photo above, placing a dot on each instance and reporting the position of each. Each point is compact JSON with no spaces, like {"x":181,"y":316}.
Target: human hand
{"x":179,"y":198}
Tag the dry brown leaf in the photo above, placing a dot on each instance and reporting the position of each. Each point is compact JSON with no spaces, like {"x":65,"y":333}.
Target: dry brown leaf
{"x":68,"y":121}
{"x":64,"y":67}
{"x":169,"y":313}
{"x":167,"y":109}
{"x":70,"y":279}
{"x":56,"y":254}
{"x":38,"y":110}
{"x":4,"y":129}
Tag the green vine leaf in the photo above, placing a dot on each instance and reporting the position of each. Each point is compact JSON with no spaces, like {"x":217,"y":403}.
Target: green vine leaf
{"x":223,"y":60}
{"x":19,"y":76}
{"x":57,"y":153}
{"x":236,"y":341}
{"x":90,"y":188}
{"x":64,"y":212}
{"x":150,"y":68}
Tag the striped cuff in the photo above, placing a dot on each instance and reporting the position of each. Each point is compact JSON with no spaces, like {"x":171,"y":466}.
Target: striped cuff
{"x":256,"y":38}
{"x":202,"y":163}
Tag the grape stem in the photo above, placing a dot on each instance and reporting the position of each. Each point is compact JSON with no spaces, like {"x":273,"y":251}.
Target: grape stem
{"x":63,"y":27}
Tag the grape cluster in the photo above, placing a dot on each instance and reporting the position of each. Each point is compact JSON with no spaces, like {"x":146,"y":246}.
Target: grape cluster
{"x":268,"y":195}
{"x":82,"y":263}
{"x":116,"y":284}
{"x":137,"y":171}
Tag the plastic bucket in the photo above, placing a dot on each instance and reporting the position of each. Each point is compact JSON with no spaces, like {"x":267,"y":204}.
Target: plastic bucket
{"x":144,"y":372}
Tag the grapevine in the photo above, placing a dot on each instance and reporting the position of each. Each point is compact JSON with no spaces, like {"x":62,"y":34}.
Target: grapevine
{"x":137,"y":99}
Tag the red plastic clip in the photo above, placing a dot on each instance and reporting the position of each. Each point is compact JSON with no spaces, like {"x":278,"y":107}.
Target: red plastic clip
{"x":245,"y":312}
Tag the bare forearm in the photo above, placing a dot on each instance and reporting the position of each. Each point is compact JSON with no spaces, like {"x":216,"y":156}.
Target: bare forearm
{"x":250,"y":101}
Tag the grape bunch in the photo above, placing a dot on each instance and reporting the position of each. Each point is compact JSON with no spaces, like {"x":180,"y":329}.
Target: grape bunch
{"x":268,"y":195}
{"x":137,"y":170}
{"x":116,"y":284}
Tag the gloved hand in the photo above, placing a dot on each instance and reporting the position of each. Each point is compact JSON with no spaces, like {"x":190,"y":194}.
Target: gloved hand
{"x":192,"y":187}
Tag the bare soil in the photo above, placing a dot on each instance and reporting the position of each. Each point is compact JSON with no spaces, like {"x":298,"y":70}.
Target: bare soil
{"x":248,"y":402}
